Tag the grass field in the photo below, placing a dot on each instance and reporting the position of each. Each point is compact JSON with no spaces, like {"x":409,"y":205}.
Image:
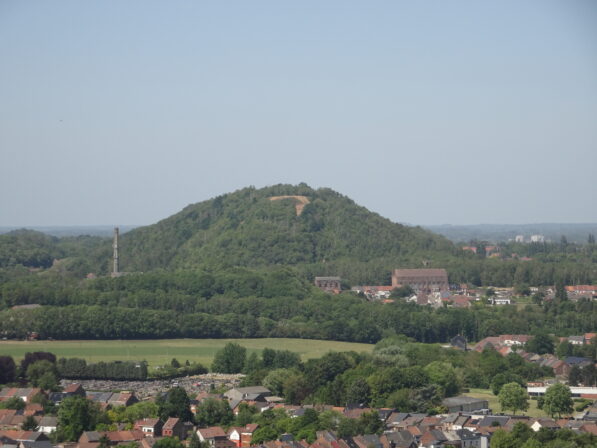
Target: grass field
{"x":494,"y":404}
{"x":161,"y":351}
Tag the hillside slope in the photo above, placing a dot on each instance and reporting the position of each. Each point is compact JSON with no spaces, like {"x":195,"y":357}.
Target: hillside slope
{"x":247,"y":228}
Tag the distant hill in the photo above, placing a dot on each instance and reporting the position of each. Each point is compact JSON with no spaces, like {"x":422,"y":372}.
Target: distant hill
{"x":34,"y":249}
{"x":495,"y":233}
{"x":61,"y":231}
{"x":319,"y":230}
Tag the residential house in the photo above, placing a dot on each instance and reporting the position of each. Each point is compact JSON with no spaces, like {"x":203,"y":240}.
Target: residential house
{"x":464,"y":404}
{"x":25,"y":394}
{"x":74,"y":389}
{"x":401,"y":439}
{"x":589,"y":337}
{"x":123,"y":399}
{"x":254,"y":395}
{"x":514,"y":339}
{"x":576,"y":340}
{"x":215,"y":437}
{"x":577,"y":361}
{"x":89,"y":439}
{"x":396,"y":418}
{"x":247,"y":434}
{"x":174,"y":427}
{"x":47,"y":424}
{"x":150,"y":427}
{"x":548,"y":423}
{"x":241,"y":436}
{"x":33,"y":439}
{"x":123,"y":437}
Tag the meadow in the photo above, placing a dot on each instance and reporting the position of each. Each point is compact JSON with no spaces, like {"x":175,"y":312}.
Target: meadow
{"x":161,"y":351}
{"x":494,"y":404}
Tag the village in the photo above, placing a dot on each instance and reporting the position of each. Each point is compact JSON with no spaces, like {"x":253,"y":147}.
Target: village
{"x":464,"y":421}
{"x":468,"y":422}
{"x":431,"y":287}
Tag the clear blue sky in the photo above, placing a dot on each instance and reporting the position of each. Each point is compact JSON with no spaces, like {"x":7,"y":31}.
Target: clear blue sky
{"x":427,"y":112}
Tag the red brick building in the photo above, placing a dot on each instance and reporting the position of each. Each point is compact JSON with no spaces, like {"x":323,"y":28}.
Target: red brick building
{"x":421,"y":280}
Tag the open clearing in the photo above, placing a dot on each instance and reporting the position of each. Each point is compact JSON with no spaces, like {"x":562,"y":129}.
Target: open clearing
{"x":161,"y":351}
{"x":494,"y":404}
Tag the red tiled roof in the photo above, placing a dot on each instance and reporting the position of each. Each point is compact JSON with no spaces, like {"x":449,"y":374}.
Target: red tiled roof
{"x":210,"y":433}
{"x":250,"y":428}
{"x":147,"y":422}
{"x":71,"y":388}
{"x":171,"y":422}
{"x":125,"y":436}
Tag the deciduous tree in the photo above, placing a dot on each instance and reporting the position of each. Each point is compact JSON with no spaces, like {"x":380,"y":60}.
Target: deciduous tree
{"x":513,"y":397}
{"x":558,"y":400}
{"x":231,"y":359}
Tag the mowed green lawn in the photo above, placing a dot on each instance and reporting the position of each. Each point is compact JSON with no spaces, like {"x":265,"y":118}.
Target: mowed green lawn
{"x":494,"y":404}
{"x":161,"y":351}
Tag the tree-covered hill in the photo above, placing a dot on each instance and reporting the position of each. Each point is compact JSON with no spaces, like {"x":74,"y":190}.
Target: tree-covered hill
{"x":33,"y":249}
{"x":331,"y":235}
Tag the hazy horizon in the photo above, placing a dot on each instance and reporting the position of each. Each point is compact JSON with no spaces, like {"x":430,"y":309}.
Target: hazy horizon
{"x":425,"y":113}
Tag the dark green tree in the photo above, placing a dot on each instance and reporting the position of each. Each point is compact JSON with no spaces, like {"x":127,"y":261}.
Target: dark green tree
{"x":514,"y":397}
{"x":75,"y":415}
{"x":31,"y":358}
{"x":175,"y":403}
{"x":500,"y":379}
{"x":194,"y":441}
{"x":575,"y":376}
{"x":12,"y":403}
{"x":264,"y":434}
{"x":358,"y":391}
{"x":168,"y":442}
{"x":43,"y":374}
{"x":231,"y":359}
{"x":296,"y":388}
{"x":370,"y":423}
{"x":245,"y":415}
{"x":561,"y":293}
{"x":104,"y":441}
{"x":30,"y":424}
{"x":401,"y":292}
{"x":7,"y":369}
{"x":558,"y":400}
{"x":214,"y":412}
{"x":541,"y":343}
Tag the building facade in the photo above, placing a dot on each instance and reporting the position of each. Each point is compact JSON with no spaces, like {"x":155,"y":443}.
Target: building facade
{"x":421,"y":280}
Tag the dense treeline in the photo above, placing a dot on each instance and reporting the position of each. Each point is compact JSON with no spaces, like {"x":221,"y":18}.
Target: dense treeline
{"x":241,"y":265}
{"x":345,"y":318}
{"x":76,"y":368}
{"x":332,"y":236}
{"x":399,"y":374}
{"x":34,"y":249}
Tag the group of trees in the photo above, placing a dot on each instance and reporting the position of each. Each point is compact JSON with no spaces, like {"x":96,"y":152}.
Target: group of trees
{"x":76,"y":368}
{"x":175,"y":369}
{"x":41,"y":369}
{"x":344,"y":317}
{"x":233,"y":359}
{"x":38,"y":368}
{"x":400,"y":373}
{"x":522,"y":436}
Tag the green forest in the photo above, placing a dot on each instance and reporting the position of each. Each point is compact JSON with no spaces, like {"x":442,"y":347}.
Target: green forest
{"x":242,"y":265}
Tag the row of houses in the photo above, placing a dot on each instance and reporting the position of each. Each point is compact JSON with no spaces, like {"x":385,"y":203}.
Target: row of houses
{"x":506,"y":344}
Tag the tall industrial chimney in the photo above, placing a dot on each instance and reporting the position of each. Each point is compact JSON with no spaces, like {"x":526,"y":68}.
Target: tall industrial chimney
{"x":115,"y":272}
